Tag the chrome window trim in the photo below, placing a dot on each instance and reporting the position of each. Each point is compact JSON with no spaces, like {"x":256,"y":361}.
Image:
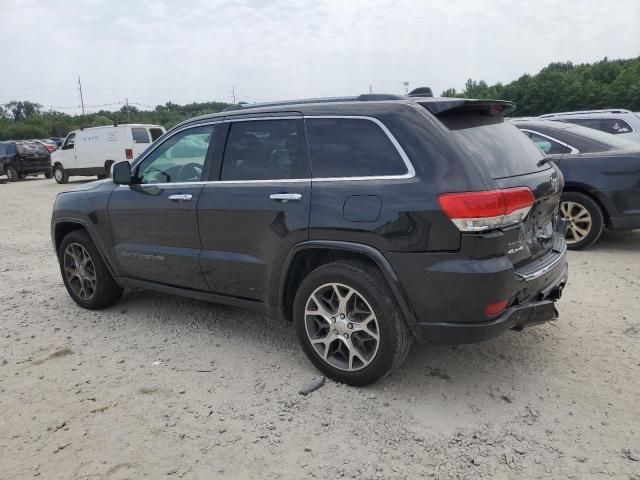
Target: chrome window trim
{"x":411,"y":173}
{"x":573,"y":149}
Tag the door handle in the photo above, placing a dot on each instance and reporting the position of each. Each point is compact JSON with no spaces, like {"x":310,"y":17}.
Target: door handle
{"x":285,"y":197}
{"x":181,"y":197}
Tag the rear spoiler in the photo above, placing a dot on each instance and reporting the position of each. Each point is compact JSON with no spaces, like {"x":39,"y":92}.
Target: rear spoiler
{"x":489,"y":107}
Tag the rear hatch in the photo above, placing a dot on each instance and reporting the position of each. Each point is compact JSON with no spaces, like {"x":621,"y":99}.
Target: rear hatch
{"x":34,"y":155}
{"x":512,"y":160}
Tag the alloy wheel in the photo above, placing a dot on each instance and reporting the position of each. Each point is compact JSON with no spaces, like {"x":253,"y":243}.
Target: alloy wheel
{"x":578,"y":220}
{"x":342,"y":327}
{"x":80,"y":271}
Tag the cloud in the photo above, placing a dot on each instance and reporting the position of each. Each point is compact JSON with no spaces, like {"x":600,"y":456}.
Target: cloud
{"x":159,"y":50}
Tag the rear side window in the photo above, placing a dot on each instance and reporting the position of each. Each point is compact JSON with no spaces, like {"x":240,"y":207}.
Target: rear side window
{"x":156,"y":133}
{"x":263,"y":150}
{"x":615,"y":126}
{"x":3,"y":149}
{"x":547,"y":145}
{"x":140,"y":135}
{"x":492,"y":140}
{"x":343,"y":147}
{"x":32,"y":149}
{"x":586,"y":122}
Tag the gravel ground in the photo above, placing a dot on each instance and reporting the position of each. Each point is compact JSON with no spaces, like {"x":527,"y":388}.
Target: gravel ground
{"x":165,"y":387}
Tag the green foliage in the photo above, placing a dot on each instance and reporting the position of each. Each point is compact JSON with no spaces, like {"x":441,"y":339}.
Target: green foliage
{"x":21,"y":120}
{"x":563,"y":86}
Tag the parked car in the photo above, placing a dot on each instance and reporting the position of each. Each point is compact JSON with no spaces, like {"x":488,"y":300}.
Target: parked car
{"x":57,"y":141}
{"x":20,"y":159}
{"x":614,"y":121}
{"x":51,"y":147}
{"x":92,"y":151}
{"x":366,"y":223}
{"x":601,"y":173}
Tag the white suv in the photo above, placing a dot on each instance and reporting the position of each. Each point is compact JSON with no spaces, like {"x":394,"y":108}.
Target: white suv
{"x":615,"y":121}
{"x":92,"y":151}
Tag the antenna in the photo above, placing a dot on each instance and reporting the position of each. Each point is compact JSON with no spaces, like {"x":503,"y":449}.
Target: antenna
{"x":81,"y":99}
{"x":233,"y":94}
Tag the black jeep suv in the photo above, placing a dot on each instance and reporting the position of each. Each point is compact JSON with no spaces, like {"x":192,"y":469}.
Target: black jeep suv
{"x":367,"y":221}
{"x":19,"y":159}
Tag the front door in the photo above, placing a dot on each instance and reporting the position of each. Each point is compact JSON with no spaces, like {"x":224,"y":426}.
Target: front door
{"x":154,"y":221}
{"x":256,"y":209}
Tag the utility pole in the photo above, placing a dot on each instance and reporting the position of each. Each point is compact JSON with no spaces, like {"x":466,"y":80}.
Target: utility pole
{"x":126,"y":101}
{"x":370,"y":89}
{"x":81,"y":99}
{"x":233,"y":94}
{"x":406,"y":87}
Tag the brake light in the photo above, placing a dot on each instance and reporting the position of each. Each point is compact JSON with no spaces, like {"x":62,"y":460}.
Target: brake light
{"x":128,"y":153}
{"x":484,"y":210}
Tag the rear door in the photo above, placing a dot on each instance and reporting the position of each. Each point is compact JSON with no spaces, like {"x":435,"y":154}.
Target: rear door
{"x":513,"y":160}
{"x":154,"y":221}
{"x":257,"y":208}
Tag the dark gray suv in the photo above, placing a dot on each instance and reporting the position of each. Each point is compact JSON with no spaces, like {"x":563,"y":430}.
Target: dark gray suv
{"x":367,"y":221}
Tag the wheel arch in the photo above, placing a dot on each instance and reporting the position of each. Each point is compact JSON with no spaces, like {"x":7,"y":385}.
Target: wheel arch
{"x":63,"y":226}
{"x":587,"y":191}
{"x":307,"y":256}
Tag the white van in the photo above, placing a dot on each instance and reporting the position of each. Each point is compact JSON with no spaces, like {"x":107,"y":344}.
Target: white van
{"x":92,"y":151}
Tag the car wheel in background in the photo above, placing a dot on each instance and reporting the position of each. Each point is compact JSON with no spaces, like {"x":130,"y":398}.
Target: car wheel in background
{"x":107,"y":168}
{"x":584,"y":218}
{"x":348,"y":323}
{"x":60,"y":175}
{"x":48,"y":174}
{"x":12,"y":174}
{"x":85,"y":274}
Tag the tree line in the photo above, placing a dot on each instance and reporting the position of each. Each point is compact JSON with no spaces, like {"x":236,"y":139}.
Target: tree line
{"x":560,"y":86}
{"x":563,"y":86}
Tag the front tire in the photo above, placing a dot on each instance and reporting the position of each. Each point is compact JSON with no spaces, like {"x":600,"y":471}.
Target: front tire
{"x":85,"y":274}
{"x":48,"y":174}
{"x":60,"y":174}
{"x":584,"y":217}
{"x":12,"y":174}
{"x":348,"y":324}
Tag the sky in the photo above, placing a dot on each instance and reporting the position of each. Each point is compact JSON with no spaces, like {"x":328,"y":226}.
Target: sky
{"x":154,"y":51}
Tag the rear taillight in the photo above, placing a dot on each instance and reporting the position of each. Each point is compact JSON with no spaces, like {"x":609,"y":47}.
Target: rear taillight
{"x":477,"y":211}
{"x":128,"y":153}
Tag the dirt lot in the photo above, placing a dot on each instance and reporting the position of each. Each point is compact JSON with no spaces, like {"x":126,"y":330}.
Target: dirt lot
{"x":164,"y":387}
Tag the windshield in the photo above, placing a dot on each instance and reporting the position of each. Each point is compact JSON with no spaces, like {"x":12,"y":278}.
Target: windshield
{"x":492,"y":140}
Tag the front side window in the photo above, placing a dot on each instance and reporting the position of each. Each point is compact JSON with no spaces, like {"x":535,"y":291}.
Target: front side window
{"x":156,"y":133}
{"x":70,"y":141}
{"x":343,"y":147}
{"x":615,"y":126}
{"x":263,"y":150}
{"x":140,"y":135}
{"x":547,"y":145}
{"x":179,"y":159}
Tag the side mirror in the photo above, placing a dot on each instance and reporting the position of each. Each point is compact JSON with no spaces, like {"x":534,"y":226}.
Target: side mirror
{"x":121,"y":173}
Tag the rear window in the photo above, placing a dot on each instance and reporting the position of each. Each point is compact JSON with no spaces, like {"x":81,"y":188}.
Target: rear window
{"x":492,"y":140}
{"x":342,"y":148}
{"x":32,"y":149}
{"x":156,"y":133}
{"x":140,"y":135}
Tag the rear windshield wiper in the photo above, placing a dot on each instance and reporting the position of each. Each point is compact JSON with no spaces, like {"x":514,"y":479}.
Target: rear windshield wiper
{"x":545,"y":160}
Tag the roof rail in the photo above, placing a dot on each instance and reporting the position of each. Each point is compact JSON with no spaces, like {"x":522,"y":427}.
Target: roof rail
{"x":579,"y":112}
{"x":365,"y":97}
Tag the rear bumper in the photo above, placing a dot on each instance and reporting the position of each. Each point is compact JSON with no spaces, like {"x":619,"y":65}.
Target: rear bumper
{"x":540,"y":310}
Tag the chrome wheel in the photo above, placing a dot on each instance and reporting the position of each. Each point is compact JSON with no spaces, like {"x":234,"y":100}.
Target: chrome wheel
{"x":342,"y":327}
{"x":80,"y":271}
{"x":578,"y":219}
{"x":57,"y":172}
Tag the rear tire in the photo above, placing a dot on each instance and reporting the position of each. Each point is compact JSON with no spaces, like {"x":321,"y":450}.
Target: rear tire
{"x":584,"y":217}
{"x":107,"y":168}
{"x":12,"y":174}
{"x":359,"y":342}
{"x":60,"y":174}
{"x":48,"y":174}
{"x":85,"y":274}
